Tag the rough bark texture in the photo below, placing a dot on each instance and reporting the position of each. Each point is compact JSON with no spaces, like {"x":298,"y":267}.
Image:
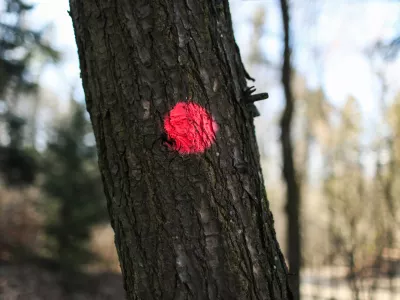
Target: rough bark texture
{"x":289,"y":170}
{"x":186,"y":227}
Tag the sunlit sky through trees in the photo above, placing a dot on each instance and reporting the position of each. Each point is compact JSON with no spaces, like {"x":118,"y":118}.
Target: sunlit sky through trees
{"x":331,"y":40}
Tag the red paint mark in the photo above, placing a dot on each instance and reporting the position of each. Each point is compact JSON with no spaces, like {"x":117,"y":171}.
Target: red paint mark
{"x":190,"y":128}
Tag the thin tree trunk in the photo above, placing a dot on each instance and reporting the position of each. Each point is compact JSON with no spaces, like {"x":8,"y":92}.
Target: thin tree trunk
{"x":191,"y":226}
{"x":289,"y":171}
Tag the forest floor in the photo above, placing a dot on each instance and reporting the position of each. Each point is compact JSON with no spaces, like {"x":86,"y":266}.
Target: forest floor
{"x":31,"y":282}
{"x":330,"y":283}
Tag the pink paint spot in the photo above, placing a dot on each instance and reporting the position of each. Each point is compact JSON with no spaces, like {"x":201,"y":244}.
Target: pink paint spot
{"x":190,"y":127}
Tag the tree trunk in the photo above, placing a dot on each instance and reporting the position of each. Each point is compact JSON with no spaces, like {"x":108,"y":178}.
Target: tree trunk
{"x":193,"y":226}
{"x":289,"y":172}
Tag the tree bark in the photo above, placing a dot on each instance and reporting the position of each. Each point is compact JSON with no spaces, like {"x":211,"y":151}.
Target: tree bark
{"x":191,"y":226}
{"x":293,"y":195}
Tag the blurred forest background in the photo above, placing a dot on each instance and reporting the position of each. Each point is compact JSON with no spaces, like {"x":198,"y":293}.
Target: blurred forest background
{"x":55,"y":240}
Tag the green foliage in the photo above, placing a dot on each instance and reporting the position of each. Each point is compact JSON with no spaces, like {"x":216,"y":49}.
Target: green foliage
{"x":75,"y":199}
{"x":19,"y":47}
{"x":17,"y":164}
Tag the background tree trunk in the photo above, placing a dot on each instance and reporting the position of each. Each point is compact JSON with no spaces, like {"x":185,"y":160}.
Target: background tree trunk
{"x":293,"y":196}
{"x":186,"y":227}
